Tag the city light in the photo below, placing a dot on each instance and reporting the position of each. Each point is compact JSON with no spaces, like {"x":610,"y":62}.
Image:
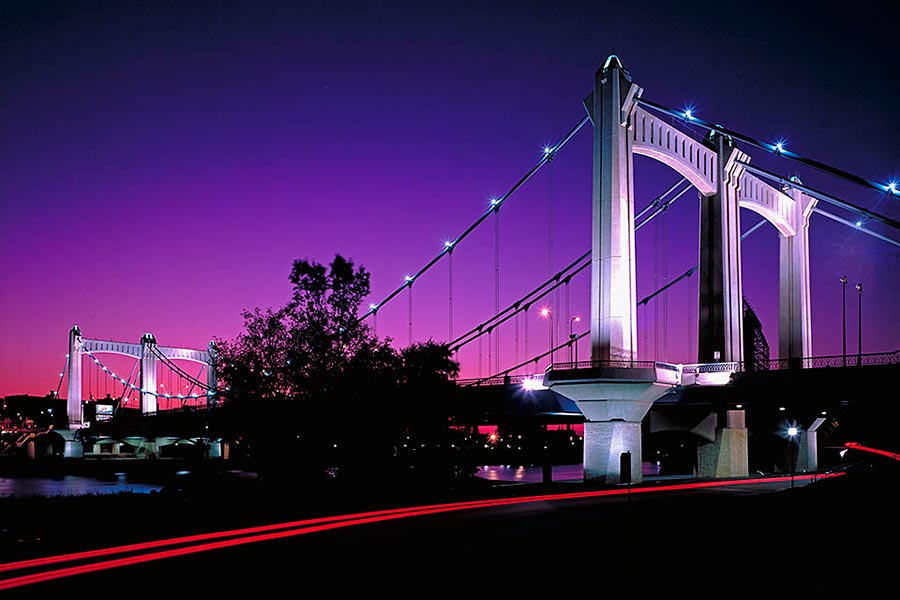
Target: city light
{"x":531,"y":384}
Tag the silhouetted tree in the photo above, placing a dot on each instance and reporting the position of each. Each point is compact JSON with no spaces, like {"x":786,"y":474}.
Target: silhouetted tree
{"x":309,"y":386}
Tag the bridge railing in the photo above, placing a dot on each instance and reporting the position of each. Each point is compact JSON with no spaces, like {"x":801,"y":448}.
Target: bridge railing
{"x":495,"y":380}
{"x":820,"y":362}
{"x":507,"y":379}
{"x":716,"y":373}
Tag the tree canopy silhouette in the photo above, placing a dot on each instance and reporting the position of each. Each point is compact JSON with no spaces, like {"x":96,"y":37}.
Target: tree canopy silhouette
{"x":309,"y":387}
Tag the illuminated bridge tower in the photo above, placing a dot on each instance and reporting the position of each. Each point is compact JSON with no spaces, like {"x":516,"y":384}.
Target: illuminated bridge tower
{"x":616,"y":392}
{"x":147,"y":352}
{"x":148,"y":373}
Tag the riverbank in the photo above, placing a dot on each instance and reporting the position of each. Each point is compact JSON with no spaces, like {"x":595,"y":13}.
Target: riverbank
{"x":211,"y":499}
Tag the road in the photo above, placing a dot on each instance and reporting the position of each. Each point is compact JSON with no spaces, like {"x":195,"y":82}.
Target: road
{"x":754,"y":536}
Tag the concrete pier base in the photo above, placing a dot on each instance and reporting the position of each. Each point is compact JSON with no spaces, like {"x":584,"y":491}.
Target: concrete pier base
{"x":727,"y":455}
{"x":73,"y":447}
{"x":614,"y":401}
{"x":604,"y":444}
{"x":808,"y":451}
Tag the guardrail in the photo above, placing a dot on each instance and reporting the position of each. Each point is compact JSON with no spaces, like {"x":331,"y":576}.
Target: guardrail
{"x":694,"y":373}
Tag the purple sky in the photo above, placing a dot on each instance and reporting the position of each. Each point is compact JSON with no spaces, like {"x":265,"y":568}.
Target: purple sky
{"x":164,"y":163}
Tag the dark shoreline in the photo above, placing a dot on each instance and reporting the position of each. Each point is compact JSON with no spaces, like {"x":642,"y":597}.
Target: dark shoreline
{"x":214,"y":495}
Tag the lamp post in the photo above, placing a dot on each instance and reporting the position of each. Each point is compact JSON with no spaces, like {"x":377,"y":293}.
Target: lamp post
{"x":793,"y":432}
{"x":844,"y":319}
{"x":545,"y":312}
{"x":572,"y":321}
{"x":859,"y":327}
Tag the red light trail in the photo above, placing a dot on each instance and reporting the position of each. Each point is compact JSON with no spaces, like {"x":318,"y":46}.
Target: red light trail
{"x":192,"y":544}
{"x":858,"y":446}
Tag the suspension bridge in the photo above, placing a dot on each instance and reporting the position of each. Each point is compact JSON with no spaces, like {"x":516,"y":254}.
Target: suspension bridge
{"x":613,"y":385}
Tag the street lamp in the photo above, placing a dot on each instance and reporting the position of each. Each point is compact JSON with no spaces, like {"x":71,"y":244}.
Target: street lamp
{"x":792,"y":432}
{"x":859,"y":326}
{"x":572,"y":321}
{"x":844,"y":307}
{"x":545,"y":312}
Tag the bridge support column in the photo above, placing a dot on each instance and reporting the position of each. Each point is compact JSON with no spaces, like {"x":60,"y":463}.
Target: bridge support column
{"x":73,"y":447}
{"x":613,"y":295}
{"x":604,"y":444}
{"x":720,"y":319}
{"x":148,"y":374}
{"x":794,"y":318}
{"x":148,"y":447}
{"x":808,"y":452}
{"x":215,"y":448}
{"x":614,"y":402}
{"x":73,"y":395}
{"x":727,"y":456}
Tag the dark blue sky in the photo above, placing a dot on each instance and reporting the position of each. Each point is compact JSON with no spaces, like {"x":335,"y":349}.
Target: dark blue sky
{"x":165,"y":162}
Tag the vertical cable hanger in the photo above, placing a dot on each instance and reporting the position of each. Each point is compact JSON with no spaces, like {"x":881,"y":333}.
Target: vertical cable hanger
{"x":496,"y":284}
{"x":450,"y":293}
{"x":553,"y":294}
{"x":665,"y":244}
{"x":410,"y":314}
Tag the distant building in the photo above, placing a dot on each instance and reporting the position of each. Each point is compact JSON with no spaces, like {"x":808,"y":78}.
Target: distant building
{"x":29,"y":425}
{"x":33,"y":412}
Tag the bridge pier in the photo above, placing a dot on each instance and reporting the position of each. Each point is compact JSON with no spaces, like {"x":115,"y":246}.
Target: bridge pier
{"x":604,"y":444}
{"x":727,"y":456}
{"x":807,"y":456}
{"x":73,"y":447}
{"x":614,"y":402}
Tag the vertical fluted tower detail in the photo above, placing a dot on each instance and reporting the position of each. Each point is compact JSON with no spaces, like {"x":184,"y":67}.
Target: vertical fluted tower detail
{"x":613,"y":292}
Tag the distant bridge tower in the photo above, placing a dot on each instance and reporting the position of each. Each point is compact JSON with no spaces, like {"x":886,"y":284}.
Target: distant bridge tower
{"x":146,"y":351}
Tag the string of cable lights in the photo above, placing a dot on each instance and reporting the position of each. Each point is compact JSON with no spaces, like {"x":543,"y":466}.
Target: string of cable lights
{"x":105,"y":369}
{"x":495,"y":204}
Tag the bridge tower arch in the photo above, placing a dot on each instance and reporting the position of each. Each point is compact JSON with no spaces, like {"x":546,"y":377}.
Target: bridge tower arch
{"x":715,"y":167}
{"x":618,"y":393}
{"x":148,"y":353}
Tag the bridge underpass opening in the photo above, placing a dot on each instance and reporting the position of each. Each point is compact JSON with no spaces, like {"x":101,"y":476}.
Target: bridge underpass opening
{"x":665,"y":248}
{"x":671,"y":452}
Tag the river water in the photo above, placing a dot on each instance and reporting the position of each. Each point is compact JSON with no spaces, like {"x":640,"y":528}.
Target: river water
{"x":74,"y":485}
{"x":70,"y":485}
{"x":535,"y":474}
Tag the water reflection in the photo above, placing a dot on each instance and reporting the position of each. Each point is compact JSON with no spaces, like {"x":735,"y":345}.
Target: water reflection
{"x":535,"y":474}
{"x":71,"y":485}
{"x":531,"y":474}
